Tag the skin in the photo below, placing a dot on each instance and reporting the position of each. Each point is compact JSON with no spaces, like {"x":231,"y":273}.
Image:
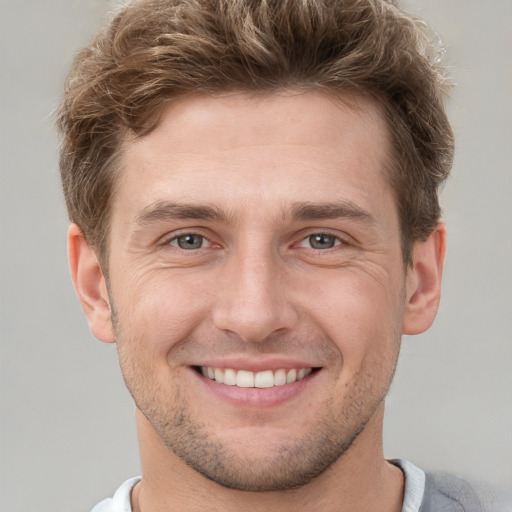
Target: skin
{"x":254,"y":179}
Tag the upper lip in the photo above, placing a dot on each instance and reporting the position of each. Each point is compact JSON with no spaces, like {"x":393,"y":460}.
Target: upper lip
{"x":255,"y":364}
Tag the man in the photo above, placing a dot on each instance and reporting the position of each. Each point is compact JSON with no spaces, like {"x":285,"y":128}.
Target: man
{"x":253,"y":191}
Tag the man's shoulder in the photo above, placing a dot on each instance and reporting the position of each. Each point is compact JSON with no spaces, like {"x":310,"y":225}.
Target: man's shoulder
{"x":445,"y":492}
{"x":438,"y":492}
{"x":120,"y":502}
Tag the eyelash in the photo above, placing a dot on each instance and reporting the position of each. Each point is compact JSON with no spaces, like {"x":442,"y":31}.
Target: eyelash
{"x":337,"y":240}
{"x":169,"y":240}
{"x":173,"y":240}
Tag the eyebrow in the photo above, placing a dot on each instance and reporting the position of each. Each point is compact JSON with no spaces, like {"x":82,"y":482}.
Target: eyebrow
{"x":162,"y":210}
{"x":302,"y":211}
{"x":343,"y":209}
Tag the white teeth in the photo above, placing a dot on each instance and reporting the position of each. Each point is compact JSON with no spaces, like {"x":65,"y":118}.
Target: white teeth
{"x":230,"y":377}
{"x":291,"y":376}
{"x":264,"y":379}
{"x":247,"y":379}
{"x":280,"y":378}
{"x":219,"y":375}
{"x":244,"y":379}
{"x":303,"y":372}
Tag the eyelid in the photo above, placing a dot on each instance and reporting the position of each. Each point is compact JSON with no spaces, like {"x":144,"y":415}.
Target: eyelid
{"x":170,"y":237}
{"x":174,"y":241}
{"x":337,"y":241}
{"x":343,"y":238}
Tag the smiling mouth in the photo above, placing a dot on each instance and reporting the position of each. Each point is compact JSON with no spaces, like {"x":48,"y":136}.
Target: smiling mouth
{"x":248,"y":379}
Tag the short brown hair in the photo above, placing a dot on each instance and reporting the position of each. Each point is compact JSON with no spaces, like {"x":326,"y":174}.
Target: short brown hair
{"x":154,"y":51}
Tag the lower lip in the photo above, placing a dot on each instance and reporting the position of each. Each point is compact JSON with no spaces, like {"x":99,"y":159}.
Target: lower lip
{"x":257,"y":397}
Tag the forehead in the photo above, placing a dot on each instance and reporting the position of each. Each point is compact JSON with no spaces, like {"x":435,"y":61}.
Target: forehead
{"x":270,"y":148}
{"x":310,"y":118}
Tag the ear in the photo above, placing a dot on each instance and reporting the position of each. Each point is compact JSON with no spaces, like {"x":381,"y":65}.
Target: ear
{"x":90,"y":285}
{"x":423,"y":282}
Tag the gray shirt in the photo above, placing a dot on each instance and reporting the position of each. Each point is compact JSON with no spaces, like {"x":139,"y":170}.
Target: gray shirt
{"x":444,"y":492}
{"x":424,"y":492}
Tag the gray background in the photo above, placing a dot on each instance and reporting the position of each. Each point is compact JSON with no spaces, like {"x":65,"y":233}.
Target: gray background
{"x":67,"y":429}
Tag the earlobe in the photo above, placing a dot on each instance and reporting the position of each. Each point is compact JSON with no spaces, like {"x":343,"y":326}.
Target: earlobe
{"x":423,"y":282}
{"x":90,"y":285}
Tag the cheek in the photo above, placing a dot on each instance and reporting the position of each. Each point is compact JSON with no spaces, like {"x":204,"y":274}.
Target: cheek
{"x":161,"y":309}
{"x":361,"y":315}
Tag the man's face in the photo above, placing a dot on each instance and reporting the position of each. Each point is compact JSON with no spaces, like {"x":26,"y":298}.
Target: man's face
{"x":255,"y":240}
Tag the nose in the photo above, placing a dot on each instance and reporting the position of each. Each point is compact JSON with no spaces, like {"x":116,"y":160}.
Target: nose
{"x":252,"y":300}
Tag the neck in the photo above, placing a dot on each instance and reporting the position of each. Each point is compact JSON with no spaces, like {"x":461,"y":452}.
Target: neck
{"x":359,"y":480}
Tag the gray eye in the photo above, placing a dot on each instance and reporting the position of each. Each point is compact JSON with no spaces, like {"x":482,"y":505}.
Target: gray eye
{"x":323,"y":241}
{"x":189,"y":241}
